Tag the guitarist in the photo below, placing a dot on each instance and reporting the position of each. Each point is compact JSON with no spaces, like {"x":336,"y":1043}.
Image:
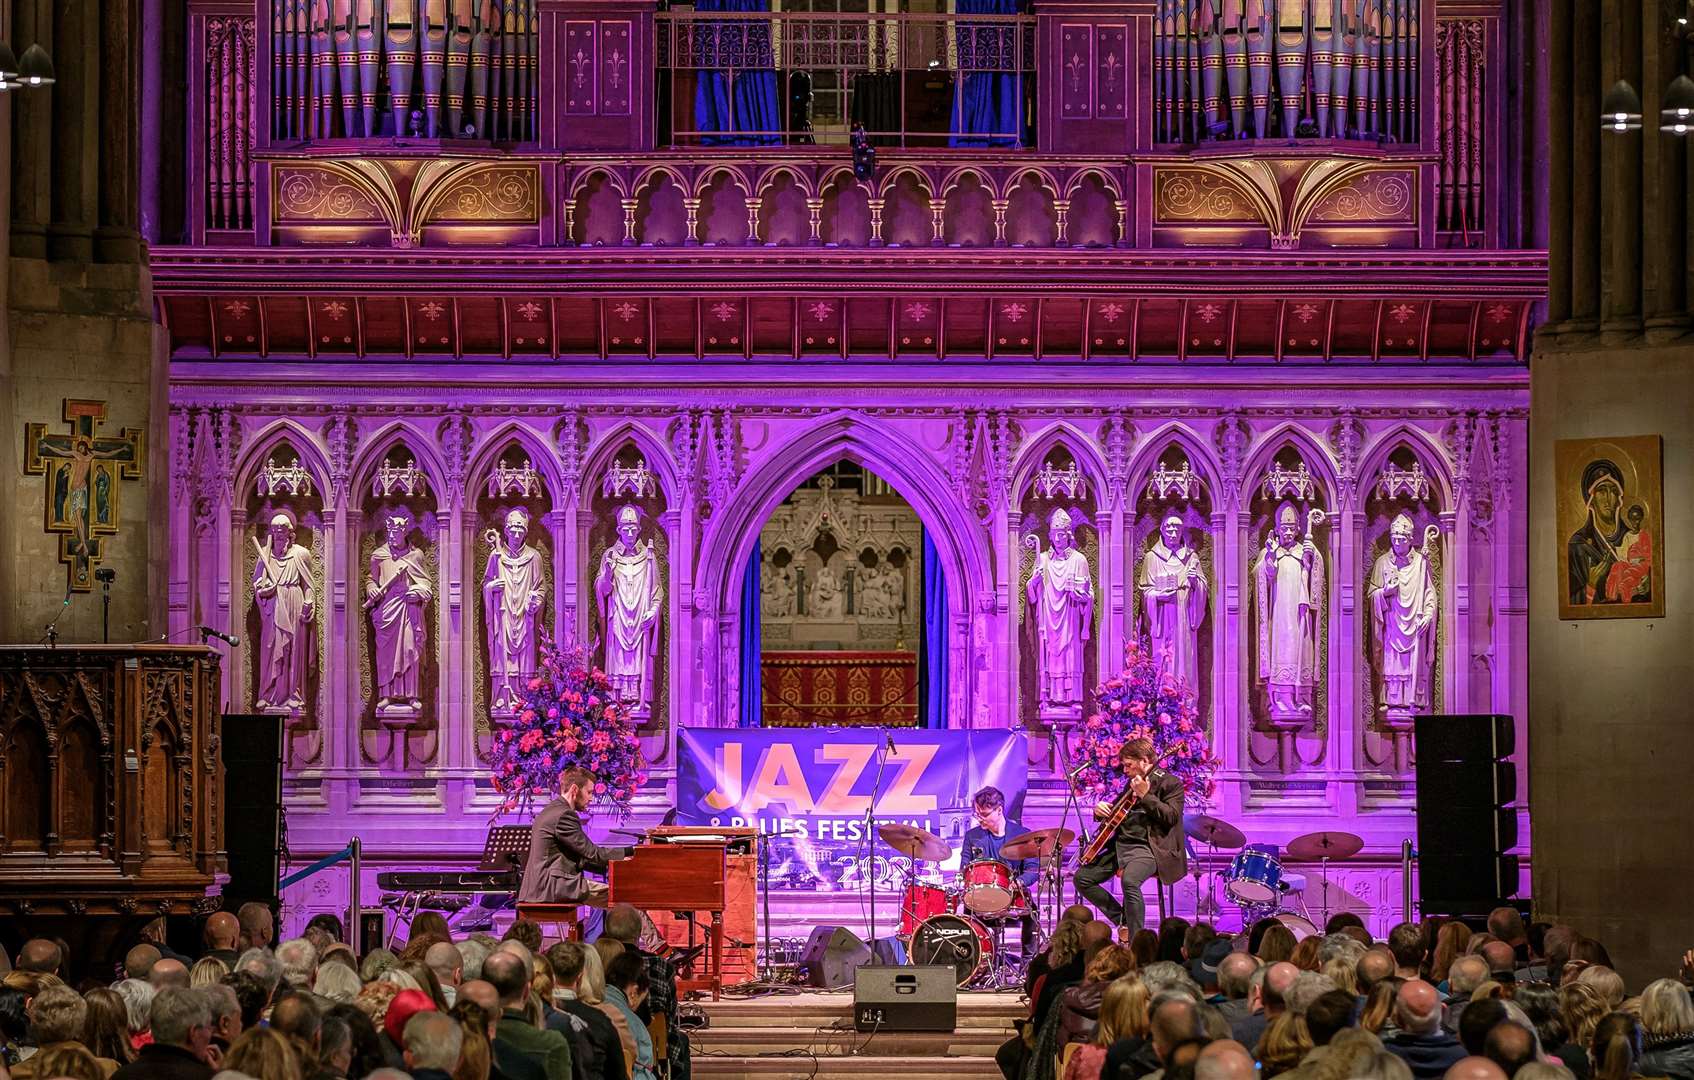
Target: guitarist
{"x":1147,"y":841}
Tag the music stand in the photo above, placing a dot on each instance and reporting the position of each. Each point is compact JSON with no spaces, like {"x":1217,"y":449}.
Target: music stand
{"x":505,"y":848}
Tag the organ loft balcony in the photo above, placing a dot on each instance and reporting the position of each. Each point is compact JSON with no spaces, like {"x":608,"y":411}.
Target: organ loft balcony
{"x":1159,"y":179}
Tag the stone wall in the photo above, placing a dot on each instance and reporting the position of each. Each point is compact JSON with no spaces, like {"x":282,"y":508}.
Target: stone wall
{"x":1608,"y":706}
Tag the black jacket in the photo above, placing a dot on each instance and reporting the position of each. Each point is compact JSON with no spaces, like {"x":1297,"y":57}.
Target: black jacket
{"x":604,"y":1046}
{"x":1669,"y":1055}
{"x":1163,"y":808}
{"x":160,"y":1061}
{"x":559,"y":851}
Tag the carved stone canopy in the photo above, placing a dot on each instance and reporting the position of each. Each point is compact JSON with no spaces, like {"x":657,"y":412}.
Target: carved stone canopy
{"x":1181,"y":482}
{"x":1050,"y":482}
{"x":633,"y":481}
{"x":1395,"y":482}
{"x":514,"y":481}
{"x":290,"y":479}
{"x":1281,"y":483}
{"x":392,"y":479}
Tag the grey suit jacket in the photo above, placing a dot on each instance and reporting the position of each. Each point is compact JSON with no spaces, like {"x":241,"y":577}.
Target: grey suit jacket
{"x":559,"y":851}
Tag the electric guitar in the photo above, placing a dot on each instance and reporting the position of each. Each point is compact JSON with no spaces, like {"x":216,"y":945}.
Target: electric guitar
{"x":1121,"y":806}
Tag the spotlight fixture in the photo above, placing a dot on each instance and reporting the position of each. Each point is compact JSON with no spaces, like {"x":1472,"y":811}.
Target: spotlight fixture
{"x":1620,"y":109}
{"x":35,"y":69}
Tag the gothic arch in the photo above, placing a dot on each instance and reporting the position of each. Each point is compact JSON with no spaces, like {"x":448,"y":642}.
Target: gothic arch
{"x":541,"y":455}
{"x":419,"y":444}
{"x":1423,"y":447}
{"x":606,"y":448}
{"x":1310,"y":449}
{"x":305,"y":443}
{"x":1060,"y":433}
{"x":731,"y":534}
{"x":1201,"y":458}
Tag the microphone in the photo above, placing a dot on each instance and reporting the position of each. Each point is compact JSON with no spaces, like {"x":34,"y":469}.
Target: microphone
{"x":228,"y":639}
{"x":1079,"y":770}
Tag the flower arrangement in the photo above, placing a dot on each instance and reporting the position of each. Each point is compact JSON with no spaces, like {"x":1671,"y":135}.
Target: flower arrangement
{"x":567,"y":717}
{"x":1141,"y":703}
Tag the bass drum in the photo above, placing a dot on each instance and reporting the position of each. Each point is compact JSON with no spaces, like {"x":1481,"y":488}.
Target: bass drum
{"x":958,"y":941}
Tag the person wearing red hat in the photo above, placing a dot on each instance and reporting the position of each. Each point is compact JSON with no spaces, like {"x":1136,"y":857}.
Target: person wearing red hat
{"x":406,"y":1004}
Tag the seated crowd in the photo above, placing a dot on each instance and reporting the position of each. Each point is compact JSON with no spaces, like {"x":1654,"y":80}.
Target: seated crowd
{"x":478,"y":1008}
{"x":1433,"y":1001}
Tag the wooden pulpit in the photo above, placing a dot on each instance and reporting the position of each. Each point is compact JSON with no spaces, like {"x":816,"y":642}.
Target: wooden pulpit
{"x":111,"y":790}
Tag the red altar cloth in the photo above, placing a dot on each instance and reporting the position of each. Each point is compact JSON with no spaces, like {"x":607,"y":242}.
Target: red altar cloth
{"x":839,"y":689}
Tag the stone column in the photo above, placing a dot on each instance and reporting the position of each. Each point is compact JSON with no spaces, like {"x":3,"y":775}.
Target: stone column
{"x":1232,"y":640}
{"x":32,"y":177}
{"x":75,"y":148}
{"x":346,"y":647}
{"x":115,"y":236}
{"x":453,"y":712}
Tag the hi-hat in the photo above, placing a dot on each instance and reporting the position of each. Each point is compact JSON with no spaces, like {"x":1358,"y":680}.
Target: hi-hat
{"x":1325,"y":845}
{"x":1215,"y":832}
{"x":916,"y":843}
{"x":1036,"y":844}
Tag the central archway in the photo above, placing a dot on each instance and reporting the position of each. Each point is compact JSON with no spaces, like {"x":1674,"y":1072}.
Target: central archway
{"x":733,"y":531}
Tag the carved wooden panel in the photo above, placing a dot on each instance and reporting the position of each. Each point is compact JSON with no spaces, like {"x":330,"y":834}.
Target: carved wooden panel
{"x":1382,"y":196}
{"x":1199,"y":195}
{"x":308,"y":193}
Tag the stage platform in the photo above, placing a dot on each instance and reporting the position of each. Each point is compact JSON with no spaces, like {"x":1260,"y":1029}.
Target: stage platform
{"x":810,"y":1033}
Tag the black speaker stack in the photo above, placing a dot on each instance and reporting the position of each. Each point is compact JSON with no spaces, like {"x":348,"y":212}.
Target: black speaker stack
{"x":252,"y":760}
{"x":1467,"y":788}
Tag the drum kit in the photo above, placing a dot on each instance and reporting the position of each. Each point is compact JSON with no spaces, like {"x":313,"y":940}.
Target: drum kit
{"x":1256,"y":880}
{"x":964,"y":926}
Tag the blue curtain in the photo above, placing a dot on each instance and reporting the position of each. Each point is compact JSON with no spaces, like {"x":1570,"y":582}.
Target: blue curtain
{"x":749,"y":102}
{"x":932,"y":676}
{"x":751,"y":684}
{"x":988,"y":97}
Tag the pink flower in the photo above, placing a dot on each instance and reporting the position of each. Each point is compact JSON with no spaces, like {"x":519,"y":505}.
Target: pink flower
{"x":553,"y":713}
{"x":535,"y":684}
{"x":599,"y":789}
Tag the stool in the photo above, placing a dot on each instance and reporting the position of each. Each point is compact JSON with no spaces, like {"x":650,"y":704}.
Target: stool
{"x":564,"y":918}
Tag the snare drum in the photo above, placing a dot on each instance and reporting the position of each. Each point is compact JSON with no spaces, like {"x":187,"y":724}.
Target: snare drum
{"x":958,"y":941}
{"x":989,"y":887}
{"x":921,"y":902}
{"x":1254,"y":877}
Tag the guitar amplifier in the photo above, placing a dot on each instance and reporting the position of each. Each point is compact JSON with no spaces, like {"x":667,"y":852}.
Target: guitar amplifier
{"x":923,"y":998}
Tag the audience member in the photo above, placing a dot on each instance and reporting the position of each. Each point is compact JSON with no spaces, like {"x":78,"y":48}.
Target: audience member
{"x":1276,"y":943}
{"x":222,"y":938}
{"x":207,"y":971}
{"x":627,"y":987}
{"x":137,"y":996}
{"x":58,"y":1019}
{"x":1478,"y":1021}
{"x":1419,"y":1039}
{"x":604,"y":1050}
{"x":139,"y":961}
{"x":106,"y":1030}
{"x":1328,"y":1015}
{"x":167,"y":972}
{"x":335,"y":1049}
{"x":250,"y":994}
{"x":1305,"y":955}
{"x":299,"y":962}
{"x":1283,"y":1046}
{"x":1502,"y":961}
{"x":181,"y":1048}
{"x":1273,"y":981}
{"x":432,"y":1041}
{"x":1510,"y":1046}
{"x":258,"y":928}
{"x":1374,"y":966}
{"x":1463,"y":977}
{"x":1235,"y":974}
{"x":337,"y":983}
{"x":41,"y":956}
{"x":1079,"y":1005}
{"x":1667,"y":1019}
{"x":1450,"y":944}
{"x":522,"y":1050}
{"x":444,"y":959}
{"x":1143,"y":945}
{"x":1173,"y":936}
{"x":1506,"y":923}
{"x":225,"y":1006}
{"x":1123,"y":1016}
{"x":263,"y":1054}
{"x":1406,"y":945}
{"x":1602,"y":978}
{"x":365,"y":1045}
{"x":1474,"y":1068}
{"x":623,"y":923}
{"x":1616,"y":1049}
{"x":476,"y":1045}
{"x":1225,"y":1059}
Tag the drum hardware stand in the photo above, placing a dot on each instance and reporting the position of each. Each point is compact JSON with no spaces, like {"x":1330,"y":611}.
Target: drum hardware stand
{"x":1056,"y":897}
{"x":1323,"y":872}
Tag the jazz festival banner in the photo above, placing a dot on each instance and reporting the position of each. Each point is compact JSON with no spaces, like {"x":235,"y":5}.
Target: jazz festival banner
{"x":811,"y":789}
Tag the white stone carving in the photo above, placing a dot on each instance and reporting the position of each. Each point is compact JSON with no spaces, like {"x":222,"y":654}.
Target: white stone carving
{"x":1061,"y":604}
{"x":290,"y":479}
{"x":392,"y":479}
{"x":1404,"y":604}
{"x":519,"y":481}
{"x":631,"y":598}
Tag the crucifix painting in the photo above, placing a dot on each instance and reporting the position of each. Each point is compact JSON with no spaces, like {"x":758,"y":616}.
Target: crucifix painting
{"x":82,"y":468}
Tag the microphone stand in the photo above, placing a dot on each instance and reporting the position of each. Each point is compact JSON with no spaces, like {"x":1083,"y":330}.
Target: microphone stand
{"x":870,"y":833}
{"x":764,"y":840}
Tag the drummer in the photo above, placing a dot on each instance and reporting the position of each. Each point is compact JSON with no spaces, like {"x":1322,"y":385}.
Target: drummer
{"x":984,"y":840}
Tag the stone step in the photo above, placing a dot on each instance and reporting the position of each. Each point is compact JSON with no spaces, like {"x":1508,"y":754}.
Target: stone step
{"x":803,"y":1066}
{"x":816,"y":1008}
{"x":832,"y":1041}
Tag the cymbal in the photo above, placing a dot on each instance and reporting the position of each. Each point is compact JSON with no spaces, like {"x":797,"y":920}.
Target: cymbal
{"x":1214,"y":831}
{"x":1037,"y":843}
{"x":914,"y":842}
{"x":1325,"y":845}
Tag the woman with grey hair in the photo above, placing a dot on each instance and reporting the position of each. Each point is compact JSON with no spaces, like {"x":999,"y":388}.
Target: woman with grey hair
{"x":138,"y":1002}
{"x":337,"y":982}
